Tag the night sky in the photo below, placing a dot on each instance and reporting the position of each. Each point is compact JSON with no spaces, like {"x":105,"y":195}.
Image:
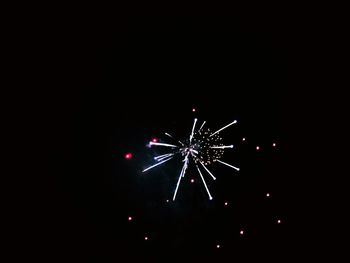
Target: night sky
{"x":122,"y":85}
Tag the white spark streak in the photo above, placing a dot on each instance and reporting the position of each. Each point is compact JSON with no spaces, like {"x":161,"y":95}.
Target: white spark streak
{"x":182,"y":174}
{"x":222,"y":147}
{"x":193,"y":150}
{"x":208,"y":171}
{"x":223,"y":128}
{"x":167,"y":134}
{"x":201,"y":126}
{"x":199,"y":171}
{"x":229,"y":165}
{"x":194,"y":124}
{"x":163,"y":155}
{"x":157,"y":164}
{"x":162,"y":158}
{"x":163,"y":144}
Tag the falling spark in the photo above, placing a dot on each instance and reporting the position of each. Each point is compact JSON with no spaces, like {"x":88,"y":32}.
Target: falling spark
{"x":206,"y":187}
{"x":167,"y":134}
{"x":202,"y":146}
{"x":229,"y":165}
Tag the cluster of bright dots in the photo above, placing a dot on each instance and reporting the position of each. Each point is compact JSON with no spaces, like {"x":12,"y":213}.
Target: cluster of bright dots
{"x":204,"y":140}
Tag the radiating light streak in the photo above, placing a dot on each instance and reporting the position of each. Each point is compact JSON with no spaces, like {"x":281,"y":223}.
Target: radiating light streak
{"x":222,"y":147}
{"x":163,"y":144}
{"x":163,"y":155}
{"x":208,"y":171}
{"x":193,"y":150}
{"x":157,"y":164}
{"x":223,"y":128}
{"x":182,"y":174}
{"x":229,"y":165}
{"x":194,"y":124}
{"x":201,"y":126}
{"x":199,"y":171}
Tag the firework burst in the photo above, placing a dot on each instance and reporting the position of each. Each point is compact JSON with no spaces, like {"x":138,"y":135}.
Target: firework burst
{"x":203,"y":147}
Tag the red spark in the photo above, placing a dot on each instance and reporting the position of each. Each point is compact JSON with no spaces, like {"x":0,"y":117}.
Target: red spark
{"x":154,"y":140}
{"x":128,"y":156}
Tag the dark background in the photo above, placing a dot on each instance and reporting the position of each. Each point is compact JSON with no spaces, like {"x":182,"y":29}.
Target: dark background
{"x":114,"y":84}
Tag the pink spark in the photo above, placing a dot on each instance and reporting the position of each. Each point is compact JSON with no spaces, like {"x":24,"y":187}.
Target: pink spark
{"x":128,"y":156}
{"x":274,"y":145}
{"x":267,"y":194}
{"x":241,"y":232}
{"x":243,"y":139}
{"x":217,"y":246}
{"x":129,"y":218}
{"x":193,"y":110}
{"x":257,"y":148}
{"x":146,"y":238}
{"x":226,"y":203}
{"x":278,"y":221}
{"x":154,"y":140}
{"x":192,"y":180}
